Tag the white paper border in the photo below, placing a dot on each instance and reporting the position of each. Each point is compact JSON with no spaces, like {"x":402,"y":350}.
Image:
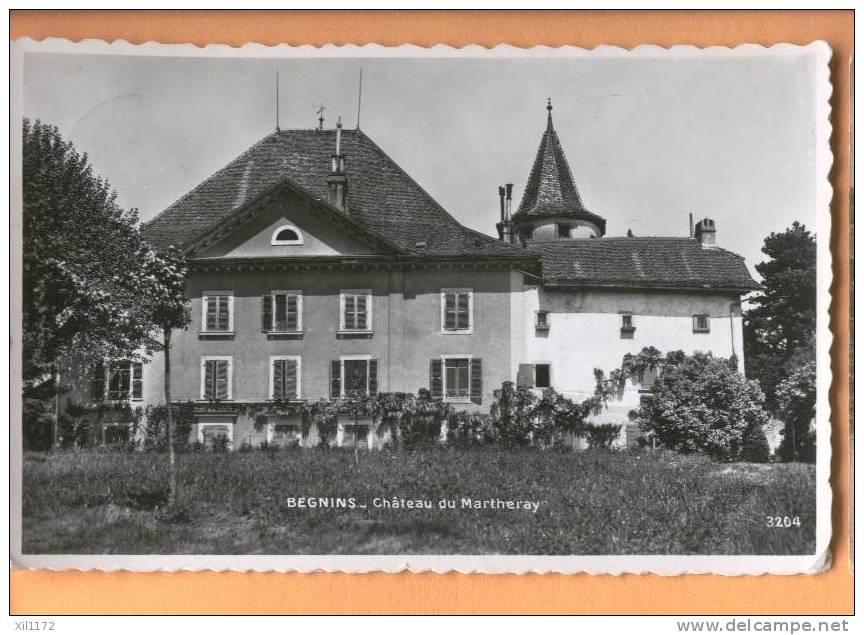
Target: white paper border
{"x":493,"y":564}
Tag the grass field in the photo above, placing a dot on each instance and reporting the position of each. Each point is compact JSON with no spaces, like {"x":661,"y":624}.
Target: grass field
{"x":590,"y":502}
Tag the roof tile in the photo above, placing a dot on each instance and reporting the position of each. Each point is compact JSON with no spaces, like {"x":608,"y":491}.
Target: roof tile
{"x":649,"y":262}
{"x":381,"y":195}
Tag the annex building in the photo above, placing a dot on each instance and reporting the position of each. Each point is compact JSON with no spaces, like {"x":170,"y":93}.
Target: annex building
{"x":320,"y":268}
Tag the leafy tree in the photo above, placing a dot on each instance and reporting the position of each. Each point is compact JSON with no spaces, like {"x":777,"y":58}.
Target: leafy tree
{"x":796,"y":397}
{"x":702,"y":404}
{"x":163,"y":298}
{"x":779,"y":329}
{"x":80,"y":277}
{"x":756,"y":448}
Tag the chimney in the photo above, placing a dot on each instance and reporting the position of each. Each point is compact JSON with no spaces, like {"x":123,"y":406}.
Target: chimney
{"x":337,"y":182}
{"x":706,"y":232}
{"x":509,"y":206}
{"x":691,"y":224}
{"x":505,"y":226}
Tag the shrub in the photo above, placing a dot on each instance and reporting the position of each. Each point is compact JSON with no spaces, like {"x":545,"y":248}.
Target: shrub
{"x":155,"y":430}
{"x":221,"y":444}
{"x":796,"y":398}
{"x":325,"y":416}
{"x":702,"y":404}
{"x":470,"y":429}
{"x":513,"y":414}
{"x":420,"y":424}
{"x":37,"y":425}
{"x":602,"y":436}
{"x":756,"y":448}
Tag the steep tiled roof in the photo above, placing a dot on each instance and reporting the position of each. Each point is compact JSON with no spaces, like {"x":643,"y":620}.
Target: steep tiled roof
{"x":381,"y":195}
{"x":550,"y":190}
{"x":640,"y":262}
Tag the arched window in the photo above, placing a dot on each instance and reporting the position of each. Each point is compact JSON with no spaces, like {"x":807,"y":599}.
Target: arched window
{"x":287,"y":235}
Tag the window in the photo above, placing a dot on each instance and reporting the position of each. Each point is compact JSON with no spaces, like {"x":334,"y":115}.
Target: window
{"x":456,"y":310}
{"x":282,"y":312}
{"x":284,"y":434}
{"x":627,"y":322}
{"x":216,"y":378}
{"x":124,"y":381}
{"x":215,"y":436}
{"x":286,"y":235}
{"x":355,"y":311}
{"x":353,"y":376}
{"x":701,"y":324}
{"x":217,"y":314}
{"x":285,"y":377}
{"x":456,"y":378}
{"x":541,"y":320}
{"x":542,"y":376}
{"x":563,"y":230}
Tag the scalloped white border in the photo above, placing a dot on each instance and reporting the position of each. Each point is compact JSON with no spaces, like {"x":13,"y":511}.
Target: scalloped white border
{"x":595,"y":565}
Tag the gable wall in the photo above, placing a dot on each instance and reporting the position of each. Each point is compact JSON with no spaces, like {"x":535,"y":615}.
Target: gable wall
{"x":320,"y":236}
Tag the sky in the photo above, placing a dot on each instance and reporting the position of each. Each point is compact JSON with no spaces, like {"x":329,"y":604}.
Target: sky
{"x":648,"y":139}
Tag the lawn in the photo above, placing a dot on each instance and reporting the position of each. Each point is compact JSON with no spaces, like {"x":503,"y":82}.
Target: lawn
{"x":590,"y":502}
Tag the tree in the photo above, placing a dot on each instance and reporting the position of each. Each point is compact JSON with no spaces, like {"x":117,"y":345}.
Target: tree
{"x":80,"y":277}
{"x":163,"y":297}
{"x":796,"y":398}
{"x":702,"y":404}
{"x":756,"y":449}
{"x":779,"y":330}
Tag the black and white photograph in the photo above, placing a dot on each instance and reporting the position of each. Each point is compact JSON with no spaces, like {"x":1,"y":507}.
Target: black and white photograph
{"x":369,"y":308}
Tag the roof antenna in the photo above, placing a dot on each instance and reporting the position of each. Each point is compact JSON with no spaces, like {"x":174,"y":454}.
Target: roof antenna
{"x":359,"y":97}
{"x":321,"y":118}
{"x":277,"y":100}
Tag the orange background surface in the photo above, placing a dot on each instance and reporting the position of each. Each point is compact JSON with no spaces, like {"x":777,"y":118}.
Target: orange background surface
{"x":220,"y":593}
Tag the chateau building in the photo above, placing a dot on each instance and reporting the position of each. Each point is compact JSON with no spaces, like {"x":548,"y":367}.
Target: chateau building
{"x":320,"y":268}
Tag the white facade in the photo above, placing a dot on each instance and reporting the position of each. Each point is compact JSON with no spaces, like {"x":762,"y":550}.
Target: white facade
{"x":585,"y":332}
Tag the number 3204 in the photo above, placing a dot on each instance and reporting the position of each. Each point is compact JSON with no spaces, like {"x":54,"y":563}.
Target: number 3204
{"x":782,"y":522}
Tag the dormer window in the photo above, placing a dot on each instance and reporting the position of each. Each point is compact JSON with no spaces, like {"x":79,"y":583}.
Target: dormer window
{"x":287,"y":235}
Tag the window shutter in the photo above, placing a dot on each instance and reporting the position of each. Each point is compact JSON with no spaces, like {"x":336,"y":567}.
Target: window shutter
{"x":348,"y":318}
{"x":361,"y":313}
{"x":221,"y":379}
{"x":463,"y":311}
{"x":476,"y":381}
{"x":98,"y":382}
{"x":373,"y":377}
{"x":335,"y":379}
{"x":208,"y":379}
{"x":223,"y":321}
{"x":267,"y":313}
{"x":449,"y":311}
{"x":290,"y":390}
{"x":279,"y":308}
{"x":211,"y":304}
{"x":525,"y":376}
{"x":291,"y":313}
{"x":436,"y":386}
{"x":278,"y":379}
{"x":137,"y":380}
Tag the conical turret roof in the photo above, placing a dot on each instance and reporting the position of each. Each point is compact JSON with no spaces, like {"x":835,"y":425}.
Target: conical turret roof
{"x":550,"y":190}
